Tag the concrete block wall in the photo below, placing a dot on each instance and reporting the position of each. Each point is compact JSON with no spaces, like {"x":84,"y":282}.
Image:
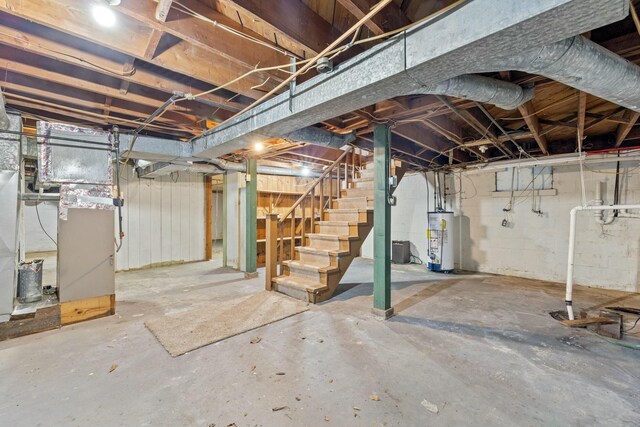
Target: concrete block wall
{"x":532,"y":246}
{"x":535,"y":246}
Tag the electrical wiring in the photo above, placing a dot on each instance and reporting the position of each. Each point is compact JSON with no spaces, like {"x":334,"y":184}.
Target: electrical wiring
{"x":77,"y":58}
{"x":40,"y":222}
{"x":188,"y":11}
{"x":535,"y":113}
{"x":633,"y":327}
{"x":307,"y":62}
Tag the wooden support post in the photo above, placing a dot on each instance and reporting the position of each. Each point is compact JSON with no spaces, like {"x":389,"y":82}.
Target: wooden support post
{"x":313,"y":210}
{"x":293,"y":234}
{"x":271,"y":249}
{"x":251,"y":223}
{"x":225,"y":194}
{"x":338,"y":185}
{"x":322,"y":200}
{"x":208,"y":218}
{"x":304,"y":222}
{"x":382,"y":223}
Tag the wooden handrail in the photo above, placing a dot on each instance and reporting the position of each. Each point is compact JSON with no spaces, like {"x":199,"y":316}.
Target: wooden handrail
{"x":315,"y":183}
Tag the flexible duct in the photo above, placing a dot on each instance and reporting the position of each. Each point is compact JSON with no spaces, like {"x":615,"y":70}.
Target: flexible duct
{"x":505,"y":95}
{"x":4,"y":118}
{"x":582,"y":64}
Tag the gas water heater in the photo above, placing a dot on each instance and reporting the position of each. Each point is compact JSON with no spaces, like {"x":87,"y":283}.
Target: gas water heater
{"x":440,"y":238}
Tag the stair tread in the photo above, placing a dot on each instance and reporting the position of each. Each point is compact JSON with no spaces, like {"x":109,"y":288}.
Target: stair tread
{"x":325,"y":236}
{"x":349,"y":210}
{"x":310,"y":267}
{"x":309,"y":249}
{"x":299,"y":282}
{"x":337,"y":222}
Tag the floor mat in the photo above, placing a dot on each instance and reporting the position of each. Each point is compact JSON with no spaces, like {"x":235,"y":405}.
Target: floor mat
{"x":210,"y":323}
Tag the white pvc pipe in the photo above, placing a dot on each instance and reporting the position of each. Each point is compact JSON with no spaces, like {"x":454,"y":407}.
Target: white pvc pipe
{"x":572,"y":246}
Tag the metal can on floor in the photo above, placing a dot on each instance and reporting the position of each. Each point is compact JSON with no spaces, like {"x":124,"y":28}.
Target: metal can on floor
{"x":30,"y":281}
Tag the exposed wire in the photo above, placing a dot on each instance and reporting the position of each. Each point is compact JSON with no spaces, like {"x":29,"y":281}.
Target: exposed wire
{"x":188,"y":11}
{"x":77,"y":58}
{"x":634,"y":325}
{"x":42,"y":226}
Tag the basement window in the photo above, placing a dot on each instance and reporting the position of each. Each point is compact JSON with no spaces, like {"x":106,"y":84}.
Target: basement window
{"x":535,"y":178}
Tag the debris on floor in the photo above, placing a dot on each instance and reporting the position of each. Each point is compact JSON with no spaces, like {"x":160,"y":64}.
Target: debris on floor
{"x":113,"y":367}
{"x":255,"y":340}
{"x":279,"y":408}
{"x":375,"y":397}
{"x":431,"y":407}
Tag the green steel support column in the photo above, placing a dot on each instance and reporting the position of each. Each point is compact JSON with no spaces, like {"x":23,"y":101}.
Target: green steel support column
{"x":225,"y":194}
{"x":382,"y":223}
{"x":251,"y":234}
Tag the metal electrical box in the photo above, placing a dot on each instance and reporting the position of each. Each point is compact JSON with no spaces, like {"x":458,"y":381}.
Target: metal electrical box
{"x":401,"y":252}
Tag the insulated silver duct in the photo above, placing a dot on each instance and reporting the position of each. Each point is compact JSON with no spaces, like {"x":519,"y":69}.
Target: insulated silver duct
{"x":265,"y":170}
{"x":505,"y":95}
{"x":580,"y":63}
{"x":4,"y":119}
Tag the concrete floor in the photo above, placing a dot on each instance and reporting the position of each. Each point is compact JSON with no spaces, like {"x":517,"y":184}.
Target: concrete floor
{"x":483,"y":349}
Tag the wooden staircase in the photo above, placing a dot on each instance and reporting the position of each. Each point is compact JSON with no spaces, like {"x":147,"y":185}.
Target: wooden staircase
{"x":334,"y":240}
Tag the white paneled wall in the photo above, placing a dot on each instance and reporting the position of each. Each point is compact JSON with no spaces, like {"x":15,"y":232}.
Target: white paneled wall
{"x":163,"y":219}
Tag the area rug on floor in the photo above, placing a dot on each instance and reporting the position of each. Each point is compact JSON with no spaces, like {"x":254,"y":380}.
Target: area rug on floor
{"x":210,"y":323}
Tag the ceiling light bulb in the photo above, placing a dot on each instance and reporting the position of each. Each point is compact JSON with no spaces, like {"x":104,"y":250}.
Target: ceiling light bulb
{"x":306,"y":171}
{"x":259,"y":146}
{"x":103,"y":15}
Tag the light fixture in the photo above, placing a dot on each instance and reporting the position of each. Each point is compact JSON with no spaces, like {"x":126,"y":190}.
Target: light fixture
{"x":306,"y":171}
{"x":258,"y":146}
{"x":103,"y":15}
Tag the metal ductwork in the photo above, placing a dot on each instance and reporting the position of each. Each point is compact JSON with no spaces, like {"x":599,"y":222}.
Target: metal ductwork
{"x":318,"y":136}
{"x":4,"y":118}
{"x":580,"y":63}
{"x":495,"y":33}
{"x":505,"y":95}
{"x":215,"y":166}
{"x":264,"y":170}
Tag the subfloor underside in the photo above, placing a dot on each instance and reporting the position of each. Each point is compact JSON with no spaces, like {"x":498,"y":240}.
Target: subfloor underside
{"x":481,"y":349}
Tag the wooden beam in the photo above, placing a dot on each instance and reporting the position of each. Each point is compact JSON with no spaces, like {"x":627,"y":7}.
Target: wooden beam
{"x":152,"y":44}
{"x":208,"y":36}
{"x":623,"y":130}
{"x":289,"y":22}
{"x":528,"y":114}
{"x":60,"y":82}
{"x":131,"y":38}
{"x":75,"y":97}
{"x":162,"y":9}
{"x":49,"y":43}
{"x":390,"y":18}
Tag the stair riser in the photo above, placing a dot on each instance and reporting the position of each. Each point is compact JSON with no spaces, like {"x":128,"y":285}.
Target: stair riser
{"x":337,"y":230}
{"x":300,"y":272}
{"x":367,"y":173}
{"x":333,"y":245}
{"x":292,"y":291}
{"x":363,"y":184}
{"x":357,"y":192}
{"x":346,"y":216}
{"x":318,"y":260}
{"x":359,"y":203}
